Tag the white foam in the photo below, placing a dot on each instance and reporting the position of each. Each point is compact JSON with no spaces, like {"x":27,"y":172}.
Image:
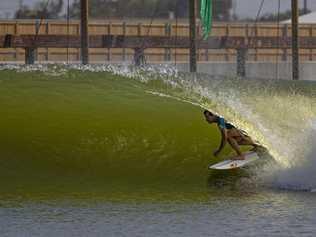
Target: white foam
{"x":302,"y":173}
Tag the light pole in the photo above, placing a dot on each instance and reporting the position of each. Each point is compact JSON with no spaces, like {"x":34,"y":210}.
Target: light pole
{"x":192,"y":14}
{"x":84,"y":32}
{"x":305,"y":7}
{"x":295,"y":46}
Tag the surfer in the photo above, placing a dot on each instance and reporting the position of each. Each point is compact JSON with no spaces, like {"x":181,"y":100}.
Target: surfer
{"x":230,"y":134}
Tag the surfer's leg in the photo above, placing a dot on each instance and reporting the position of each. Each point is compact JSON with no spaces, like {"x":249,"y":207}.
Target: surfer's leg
{"x":243,"y":139}
{"x":240,"y":137}
{"x":235,"y":146}
{"x":247,"y":141}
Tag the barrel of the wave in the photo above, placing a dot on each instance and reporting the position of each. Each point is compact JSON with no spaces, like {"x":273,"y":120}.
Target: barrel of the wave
{"x":206,"y":17}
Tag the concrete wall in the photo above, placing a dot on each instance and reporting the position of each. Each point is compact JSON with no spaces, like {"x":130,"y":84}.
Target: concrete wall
{"x":264,"y":70}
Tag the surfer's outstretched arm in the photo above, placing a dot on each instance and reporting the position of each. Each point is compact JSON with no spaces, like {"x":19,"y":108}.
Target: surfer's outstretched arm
{"x":223,"y":141}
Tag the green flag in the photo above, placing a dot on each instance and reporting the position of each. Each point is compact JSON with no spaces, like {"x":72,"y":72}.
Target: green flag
{"x":206,"y":17}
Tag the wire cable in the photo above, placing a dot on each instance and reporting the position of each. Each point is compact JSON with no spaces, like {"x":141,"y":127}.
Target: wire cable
{"x":257,"y":17}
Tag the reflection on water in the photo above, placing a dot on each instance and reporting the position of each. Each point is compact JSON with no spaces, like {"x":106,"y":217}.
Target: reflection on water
{"x":213,"y":212}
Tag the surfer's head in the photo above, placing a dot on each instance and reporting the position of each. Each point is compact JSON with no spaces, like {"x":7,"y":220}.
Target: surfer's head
{"x":210,"y":117}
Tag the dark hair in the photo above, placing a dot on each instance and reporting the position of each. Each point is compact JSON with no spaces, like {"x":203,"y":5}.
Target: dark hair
{"x":208,"y":112}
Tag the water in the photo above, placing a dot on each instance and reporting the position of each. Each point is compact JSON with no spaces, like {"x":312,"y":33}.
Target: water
{"x":119,"y":151}
{"x":220,"y":214}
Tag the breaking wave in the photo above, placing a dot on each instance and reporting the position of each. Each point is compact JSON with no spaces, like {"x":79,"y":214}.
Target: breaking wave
{"x":121,"y":121}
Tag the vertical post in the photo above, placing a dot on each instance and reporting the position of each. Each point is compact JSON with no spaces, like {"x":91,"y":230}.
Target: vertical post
{"x":84,"y":32}
{"x":16,"y":53}
{"x":109,"y":56}
{"x":247,"y":33}
{"x":227,"y":50}
{"x":311,"y":50}
{"x":139,"y":58}
{"x":295,"y":48}
{"x":167,"y":56}
{"x":30,"y":55}
{"x":124,"y":49}
{"x":37,"y":31}
{"x":241,"y":62}
{"x":47,"y":50}
{"x":256,"y":50}
{"x":68,"y":31}
{"x":192,"y":14}
{"x":139,"y":54}
{"x":284,"y":34}
{"x":305,"y":7}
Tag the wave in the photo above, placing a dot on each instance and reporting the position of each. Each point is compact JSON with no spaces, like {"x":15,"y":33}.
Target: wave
{"x":147,"y":124}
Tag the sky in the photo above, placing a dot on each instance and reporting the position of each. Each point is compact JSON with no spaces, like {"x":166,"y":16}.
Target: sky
{"x":243,"y":8}
{"x":249,"y":8}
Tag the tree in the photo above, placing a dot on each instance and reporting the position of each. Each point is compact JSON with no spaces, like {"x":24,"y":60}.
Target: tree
{"x":42,"y":9}
{"x":222,"y":10}
{"x":122,"y":8}
{"x":102,"y":9}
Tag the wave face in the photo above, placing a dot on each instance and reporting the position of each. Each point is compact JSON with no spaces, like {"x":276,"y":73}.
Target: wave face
{"x":118,"y":123}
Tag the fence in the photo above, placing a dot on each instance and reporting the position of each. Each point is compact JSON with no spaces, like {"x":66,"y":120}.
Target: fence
{"x":143,"y":28}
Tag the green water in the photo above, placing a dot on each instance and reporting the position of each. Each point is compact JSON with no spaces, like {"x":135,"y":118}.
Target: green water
{"x":95,"y":129}
{"x":96,"y":132}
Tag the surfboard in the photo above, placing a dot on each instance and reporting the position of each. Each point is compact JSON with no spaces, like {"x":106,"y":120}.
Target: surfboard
{"x":233,"y":164}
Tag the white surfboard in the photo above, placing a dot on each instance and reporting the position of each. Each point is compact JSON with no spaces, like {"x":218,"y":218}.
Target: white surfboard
{"x":233,"y":164}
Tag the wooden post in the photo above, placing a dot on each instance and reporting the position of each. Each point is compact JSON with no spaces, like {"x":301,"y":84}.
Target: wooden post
{"x":84,"y":32}
{"x":284,"y":34}
{"x":227,"y":50}
{"x":248,"y":34}
{"x":37,"y":31}
{"x":167,"y":56}
{"x":16,"y":53}
{"x":241,"y":62}
{"x":109,"y":56}
{"x":311,"y":35}
{"x":206,"y":55}
{"x":30,"y":55}
{"x":256,"y":50}
{"x":295,"y":47}
{"x":139,"y":58}
{"x":124,"y":49}
{"x":47,"y":50}
{"x":192,"y":14}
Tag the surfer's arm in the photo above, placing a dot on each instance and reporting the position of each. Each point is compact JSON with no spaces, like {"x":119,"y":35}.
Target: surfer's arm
{"x":223,"y":141}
